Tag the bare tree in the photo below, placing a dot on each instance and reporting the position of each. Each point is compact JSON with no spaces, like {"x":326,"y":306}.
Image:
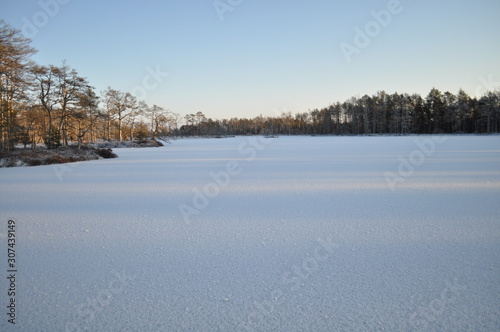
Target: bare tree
{"x":83,"y":120}
{"x":59,"y":92}
{"x":70,"y":88}
{"x":120,"y":107}
{"x":15,"y":53}
{"x":45,"y":80}
{"x":159,"y":119}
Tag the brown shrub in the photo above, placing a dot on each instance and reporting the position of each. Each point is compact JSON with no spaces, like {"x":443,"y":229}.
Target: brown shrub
{"x":106,"y":153}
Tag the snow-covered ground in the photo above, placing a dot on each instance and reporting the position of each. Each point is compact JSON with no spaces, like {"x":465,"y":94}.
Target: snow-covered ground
{"x":257,"y":234}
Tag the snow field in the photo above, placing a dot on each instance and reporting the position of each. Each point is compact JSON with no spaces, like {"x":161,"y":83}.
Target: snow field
{"x":257,"y":234}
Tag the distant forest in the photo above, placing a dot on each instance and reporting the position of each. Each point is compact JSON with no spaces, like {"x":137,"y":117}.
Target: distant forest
{"x":382,"y":113}
{"x":56,"y":106}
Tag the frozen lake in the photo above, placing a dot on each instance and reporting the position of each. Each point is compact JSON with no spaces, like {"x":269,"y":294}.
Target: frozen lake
{"x":260,"y":234}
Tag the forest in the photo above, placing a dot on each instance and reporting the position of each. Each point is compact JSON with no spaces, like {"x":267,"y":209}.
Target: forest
{"x":56,"y":106}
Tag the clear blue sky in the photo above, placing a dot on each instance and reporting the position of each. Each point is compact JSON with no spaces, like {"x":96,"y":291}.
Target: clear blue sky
{"x":266,"y":56}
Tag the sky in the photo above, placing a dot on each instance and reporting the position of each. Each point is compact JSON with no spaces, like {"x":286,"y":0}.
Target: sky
{"x":242,"y":58}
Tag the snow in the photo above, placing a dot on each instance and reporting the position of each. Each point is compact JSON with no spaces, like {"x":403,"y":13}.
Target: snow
{"x":260,"y":234}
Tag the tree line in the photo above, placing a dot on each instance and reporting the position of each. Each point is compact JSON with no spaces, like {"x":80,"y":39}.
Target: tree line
{"x":382,"y":113}
{"x":55,"y":105}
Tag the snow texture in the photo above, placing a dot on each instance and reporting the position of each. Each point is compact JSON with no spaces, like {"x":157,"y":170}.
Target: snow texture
{"x":260,"y":234}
